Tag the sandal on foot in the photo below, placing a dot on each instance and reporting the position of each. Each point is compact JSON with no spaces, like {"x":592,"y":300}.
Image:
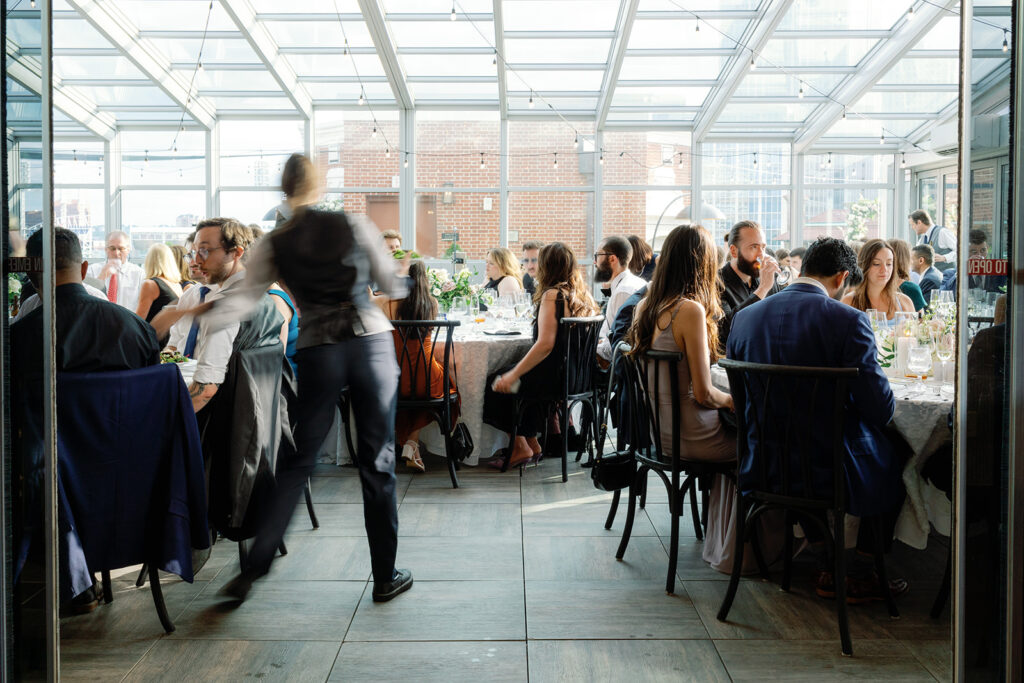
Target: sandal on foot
{"x":411,"y":453}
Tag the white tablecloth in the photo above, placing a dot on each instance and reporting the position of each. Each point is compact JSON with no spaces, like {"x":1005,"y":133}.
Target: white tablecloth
{"x":921,"y":420}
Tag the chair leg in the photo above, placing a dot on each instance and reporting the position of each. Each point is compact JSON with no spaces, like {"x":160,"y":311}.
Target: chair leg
{"x":565,"y":443}
{"x":676,"y":502}
{"x":141,"y":580}
{"x":883,"y":574}
{"x":309,"y":506}
{"x":243,"y":556}
{"x":787,"y":554}
{"x":627,"y":529}
{"x":737,"y":562}
{"x":839,"y":547}
{"x":611,"y":511}
{"x":158,"y":599}
{"x":943,"y":595}
{"x":108,"y":590}
{"x":450,"y":459}
{"x":346,"y":419}
{"x":283,"y":548}
{"x":584,"y":431}
{"x":643,"y":490}
{"x":694,"y":511}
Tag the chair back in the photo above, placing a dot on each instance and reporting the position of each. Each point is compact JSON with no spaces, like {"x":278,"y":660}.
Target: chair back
{"x":580,"y":337}
{"x":416,"y":349}
{"x":646,"y":375}
{"x":635,"y":415}
{"x":781,"y":412}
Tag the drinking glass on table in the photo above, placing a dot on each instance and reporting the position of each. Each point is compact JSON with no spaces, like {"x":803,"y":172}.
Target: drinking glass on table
{"x":945,"y":346}
{"x":460,"y":308}
{"x":919,"y":364}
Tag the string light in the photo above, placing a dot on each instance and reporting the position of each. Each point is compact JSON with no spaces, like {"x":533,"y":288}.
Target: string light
{"x":1006,"y":44}
{"x":829,"y":162}
{"x":881,"y":138}
{"x":910,"y":13}
{"x":755,"y":158}
{"x":482,"y":164}
{"x":601,"y":158}
{"x":556,"y":159}
{"x":33,"y":4}
{"x":680,"y":160}
{"x":697,"y":26}
{"x":374,"y":133}
{"x":576,"y":142}
{"x":387,"y":152}
{"x":844,"y":113}
{"x":199,"y":66}
{"x":362,"y":100}
{"x":453,"y":17}
{"x":344,"y":49}
{"x":74,"y":155}
{"x":146,"y":160}
{"x":801,"y":93}
{"x":903,"y":159}
{"x":494,"y":59}
{"x":407,"y":160}
{"x":753,"y":61}
{"x":531,"y":100}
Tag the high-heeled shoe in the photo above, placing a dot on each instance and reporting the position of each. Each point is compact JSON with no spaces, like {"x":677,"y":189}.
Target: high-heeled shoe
{"x":411,"y":454}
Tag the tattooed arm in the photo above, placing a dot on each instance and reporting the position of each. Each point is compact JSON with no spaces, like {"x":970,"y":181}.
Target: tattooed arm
{"x":201,"y":394}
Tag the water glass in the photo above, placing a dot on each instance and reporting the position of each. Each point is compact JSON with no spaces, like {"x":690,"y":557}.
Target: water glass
{"x":919,"y":364}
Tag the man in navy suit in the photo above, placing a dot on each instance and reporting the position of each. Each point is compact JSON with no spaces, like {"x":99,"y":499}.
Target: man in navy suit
{"x":805,"y":325}
{"x":923,"y":257}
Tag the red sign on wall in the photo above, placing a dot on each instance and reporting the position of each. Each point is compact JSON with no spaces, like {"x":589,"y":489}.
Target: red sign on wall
{"x":986,"y":266}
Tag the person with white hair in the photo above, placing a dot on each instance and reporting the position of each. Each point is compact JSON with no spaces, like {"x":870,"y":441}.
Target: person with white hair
{"x":162,"y":285}
{"x":122,"y":280}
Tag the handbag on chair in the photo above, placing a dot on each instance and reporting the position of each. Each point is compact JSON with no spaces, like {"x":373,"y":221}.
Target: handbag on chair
{"x":613,"y":472}
{"x":461,"y":442}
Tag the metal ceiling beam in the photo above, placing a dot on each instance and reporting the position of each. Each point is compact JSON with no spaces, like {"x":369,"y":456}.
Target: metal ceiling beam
{"x":756,"y":35}
{"x":623,"y":30}
{"x":378,"y":28}
{"x":503,"y":84}
{"x":28,"y":72}
{"x":883,"y":58}
{"x":265,"y":47}
{"x":106,"y":18}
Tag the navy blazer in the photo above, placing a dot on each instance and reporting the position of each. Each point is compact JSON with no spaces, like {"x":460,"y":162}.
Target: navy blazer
{"x":801,"y":325}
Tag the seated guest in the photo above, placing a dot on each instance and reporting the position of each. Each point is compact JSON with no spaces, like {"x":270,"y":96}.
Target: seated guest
{"x":745,"y":280}
{"x":531,"y":250}
{"x":193,"y":271}
{"x":929,"y":277}
{"x":641,"y":263}
{"x":823,"y":333}
{"x":121,"y":279}
{"x":796,"y":259}
{"x":562,"y":292}
{"x":180,"y":254}
{"x":502,"y":272}
{"x":392,"y":240}
{"x":901,"y":264}
{"x":782,"y":256}
{"x":680,"y":314}
{"x":419,"y":304}
{"x":162,"y":284}
{"x":611,"y":265}
{"x":880,"y":287}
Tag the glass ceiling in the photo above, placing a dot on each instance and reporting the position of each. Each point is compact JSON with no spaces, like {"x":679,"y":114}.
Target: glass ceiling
{"x":813,"y":73}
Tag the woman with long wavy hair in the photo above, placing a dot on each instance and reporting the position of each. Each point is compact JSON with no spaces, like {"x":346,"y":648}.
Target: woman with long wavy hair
{"x":561,"y":292}
{"x":502,"y":271}
{"x":680,"y":314}
{"x":880,"y":288}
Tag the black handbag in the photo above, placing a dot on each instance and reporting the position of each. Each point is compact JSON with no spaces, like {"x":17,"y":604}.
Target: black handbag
{"x":461,"y":442}
{"x":613,"y":472}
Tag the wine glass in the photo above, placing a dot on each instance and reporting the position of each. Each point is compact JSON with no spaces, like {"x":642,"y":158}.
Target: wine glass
{"x":945,"y":346}
{"x":919,"y":363}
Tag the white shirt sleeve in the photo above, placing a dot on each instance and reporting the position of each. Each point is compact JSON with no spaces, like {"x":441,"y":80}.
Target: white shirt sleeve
{"x":179,"y":331}
{"x":129,"y":283}
{"x":947,"y":240}
{"x":214,"y":351}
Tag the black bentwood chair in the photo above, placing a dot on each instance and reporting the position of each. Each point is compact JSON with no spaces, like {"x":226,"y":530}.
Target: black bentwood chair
{"x":576,"y":383}
{"x":643,"y":386}
{"x":775,"y":404}
{"x":416,"y":352}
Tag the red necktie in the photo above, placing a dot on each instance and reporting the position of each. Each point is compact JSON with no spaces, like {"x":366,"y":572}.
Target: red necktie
{"x":112,"y":289}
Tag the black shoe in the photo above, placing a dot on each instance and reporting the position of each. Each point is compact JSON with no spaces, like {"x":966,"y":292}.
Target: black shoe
{"x":401,"y":583}
{"x":238,"y":588}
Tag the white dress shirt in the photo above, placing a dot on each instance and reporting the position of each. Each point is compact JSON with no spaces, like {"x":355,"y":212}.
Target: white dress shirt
{"x":915,"y":277}
{"x":129,"y":283}
{"x":214,"y":346}
{"x":33,"y":302}
{"x":179,"y":330}
{"x":623,"y":286}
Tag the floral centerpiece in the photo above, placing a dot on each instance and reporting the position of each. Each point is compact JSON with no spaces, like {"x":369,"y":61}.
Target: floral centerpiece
{"x":13,"y":293}
{"x":446,"y":287}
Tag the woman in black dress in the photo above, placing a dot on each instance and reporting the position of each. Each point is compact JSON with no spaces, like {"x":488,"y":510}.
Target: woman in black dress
{"x":162,"y":284}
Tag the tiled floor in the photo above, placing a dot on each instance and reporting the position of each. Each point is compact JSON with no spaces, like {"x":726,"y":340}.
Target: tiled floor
{"x":516,"y":579}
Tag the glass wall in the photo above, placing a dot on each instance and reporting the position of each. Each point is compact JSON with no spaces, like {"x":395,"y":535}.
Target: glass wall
{"x":748,"y":181}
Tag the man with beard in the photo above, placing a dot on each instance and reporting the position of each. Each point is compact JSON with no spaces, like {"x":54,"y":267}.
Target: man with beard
{"x":748,"y":276}
{"x":611,"y":265}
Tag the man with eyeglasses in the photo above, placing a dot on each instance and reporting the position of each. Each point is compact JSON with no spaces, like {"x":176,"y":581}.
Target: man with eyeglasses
{"x":531,"y":252}
{"x":122,"y":280}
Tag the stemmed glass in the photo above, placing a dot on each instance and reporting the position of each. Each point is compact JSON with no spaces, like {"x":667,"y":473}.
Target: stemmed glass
{"x":919,"y":363}
{"x":945,"y":345}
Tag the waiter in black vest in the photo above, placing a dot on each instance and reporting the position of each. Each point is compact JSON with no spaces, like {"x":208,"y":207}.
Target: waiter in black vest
{"x":942,"y":240}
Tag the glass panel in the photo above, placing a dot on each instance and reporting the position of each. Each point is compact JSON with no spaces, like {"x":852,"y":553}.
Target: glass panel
{"x":928,"y":195}
{"x":904,"y":102}
{"x":448,"y":65}
{"x":348,"y":153}
{"x":645,"y":68}
{"x":148,"y":158}
{"x":675,"y":97}
{"x":524,"y":79}
{"x":254,"y":152}
{"x":652,"y":158}
{"x":152,"y":216}
{"x":549,"y":216}
{"x":95,"y":67}
{"x":76,"y":34}
{"x":247,"y":104}
{"x":854,"y":126}
{"x":131,"y":96}
{"x":758,"y":83}
{"x":667,"y":33}
{"x":84,"y":213}
{"x":922,"y":71}
{"x":852,"y":215}
{"x":945,"y":35}
{"x":30,"y":158}
{"x":252,"y":208}
{"x":475,"y":216}
{"x":336,"y":65}
{"x":736,"y":164}
{"x":375,"y":92}
{"x":219,"y":49}
{"x":179,"y":15}
{"x":214,"y":79}
{"x":623,"y":212}
{"x":766,"y":112}
{"x":560,"y":15}
{"x":821,"y":51}
{"x":449,"y":147}
{"x":837,"y":15}
{"x":951,"y":201}
{"x":319,"y":34}
{"x":78,"y":162}
{"x":582,"y":50}
{"x":848,"y":168}
{"x":770,"y":208}
{"x":442,"y":33}
{"x":983,"y":200}
{"x":427,"y":6}
{"x":455,"y":91}
{"x":535,"y":146}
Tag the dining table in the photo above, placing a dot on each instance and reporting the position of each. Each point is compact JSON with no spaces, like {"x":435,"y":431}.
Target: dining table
{"x":921,"y":417}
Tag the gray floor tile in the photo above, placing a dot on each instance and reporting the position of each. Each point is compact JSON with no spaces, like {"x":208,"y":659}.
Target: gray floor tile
{"x":227,"y":660}
{"x":457,"y":662}
{"x":445,"y":610}
{"x":568,"y":518}
{"x":639,"y":661}
{"x":88,"y":660}
{"x":469,"y":558}
{"x":819,"y":660}
{"x":469,"y":519}
{"x":545,"y":485}
{"x":551,"y":558}
{"x":472,"y":489}
{"x":336,"y":519}
{"x":327,"y":558}
{"x":934,"y":655}
{"x":619,"y":609}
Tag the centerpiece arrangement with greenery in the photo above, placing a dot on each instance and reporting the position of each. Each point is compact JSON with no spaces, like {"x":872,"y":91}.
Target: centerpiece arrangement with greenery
{"x":446,"y":287}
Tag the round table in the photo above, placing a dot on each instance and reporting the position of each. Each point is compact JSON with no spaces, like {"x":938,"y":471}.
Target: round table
{"x":921,"y":419}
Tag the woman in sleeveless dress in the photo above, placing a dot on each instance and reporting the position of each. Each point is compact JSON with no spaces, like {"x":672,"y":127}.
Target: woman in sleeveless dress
{"x":561,"y":292}
{"x":162,"y":285}
{"x":880,"y":287}
{"x":502,"y":272}
{"x":680,"y":314}
{"x":181,"y":259}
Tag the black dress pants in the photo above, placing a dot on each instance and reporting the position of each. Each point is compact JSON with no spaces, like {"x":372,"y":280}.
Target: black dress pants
{"x":368,"y":367}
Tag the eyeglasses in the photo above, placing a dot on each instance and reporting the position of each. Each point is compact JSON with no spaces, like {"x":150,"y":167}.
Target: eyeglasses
{"x":528,"y":260}
{"x":203,"y":253}
{"x":113,"y":248}
{"x":601,"y":253}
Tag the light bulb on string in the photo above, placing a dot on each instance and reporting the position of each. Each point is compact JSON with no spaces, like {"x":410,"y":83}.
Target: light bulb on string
{"x":146,"y":160}
{"x":600,"y":159}
{"x":844,"y":113}
{"x":530,"y":103}
{"x":800,"y":94}
{"x":387,"y":152}
{"x":903,"y":159}
{"x":344,"y":49}
{"x":881,"y":138}
{"x":482,"y":164}
{"x":753,"y":61}
{"x":680,"y":160}
{"x":33,"y":4}
{"x":755,"y":158}
{"x":374,"y":133}
{"x":74,"y":155}
{"x":1006,"y":44}
{"x":453,"y":17}
{"x":696,"y":28}
{"x":406,"y":160}
{"x":829,"y":162}
{"x":576,"y":142}
{"x":556,"y":159}
{"x":910,"y":13}
{"x":494,"y":59}
{"x":362,"y":99}
{"x":199,"y":65}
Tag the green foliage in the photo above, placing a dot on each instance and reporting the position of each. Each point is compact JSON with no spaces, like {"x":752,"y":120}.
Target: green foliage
{"x":861,"y":212}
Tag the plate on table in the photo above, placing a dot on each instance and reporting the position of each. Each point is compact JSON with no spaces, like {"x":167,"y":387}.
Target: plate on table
{"x":502,"y":333}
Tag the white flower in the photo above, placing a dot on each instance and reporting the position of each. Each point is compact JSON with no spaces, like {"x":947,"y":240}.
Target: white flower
{"x":14,"y":285}
{"x":436,"y":291}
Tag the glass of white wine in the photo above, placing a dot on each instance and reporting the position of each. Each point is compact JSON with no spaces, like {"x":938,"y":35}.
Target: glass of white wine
{"x":919,"y":363}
